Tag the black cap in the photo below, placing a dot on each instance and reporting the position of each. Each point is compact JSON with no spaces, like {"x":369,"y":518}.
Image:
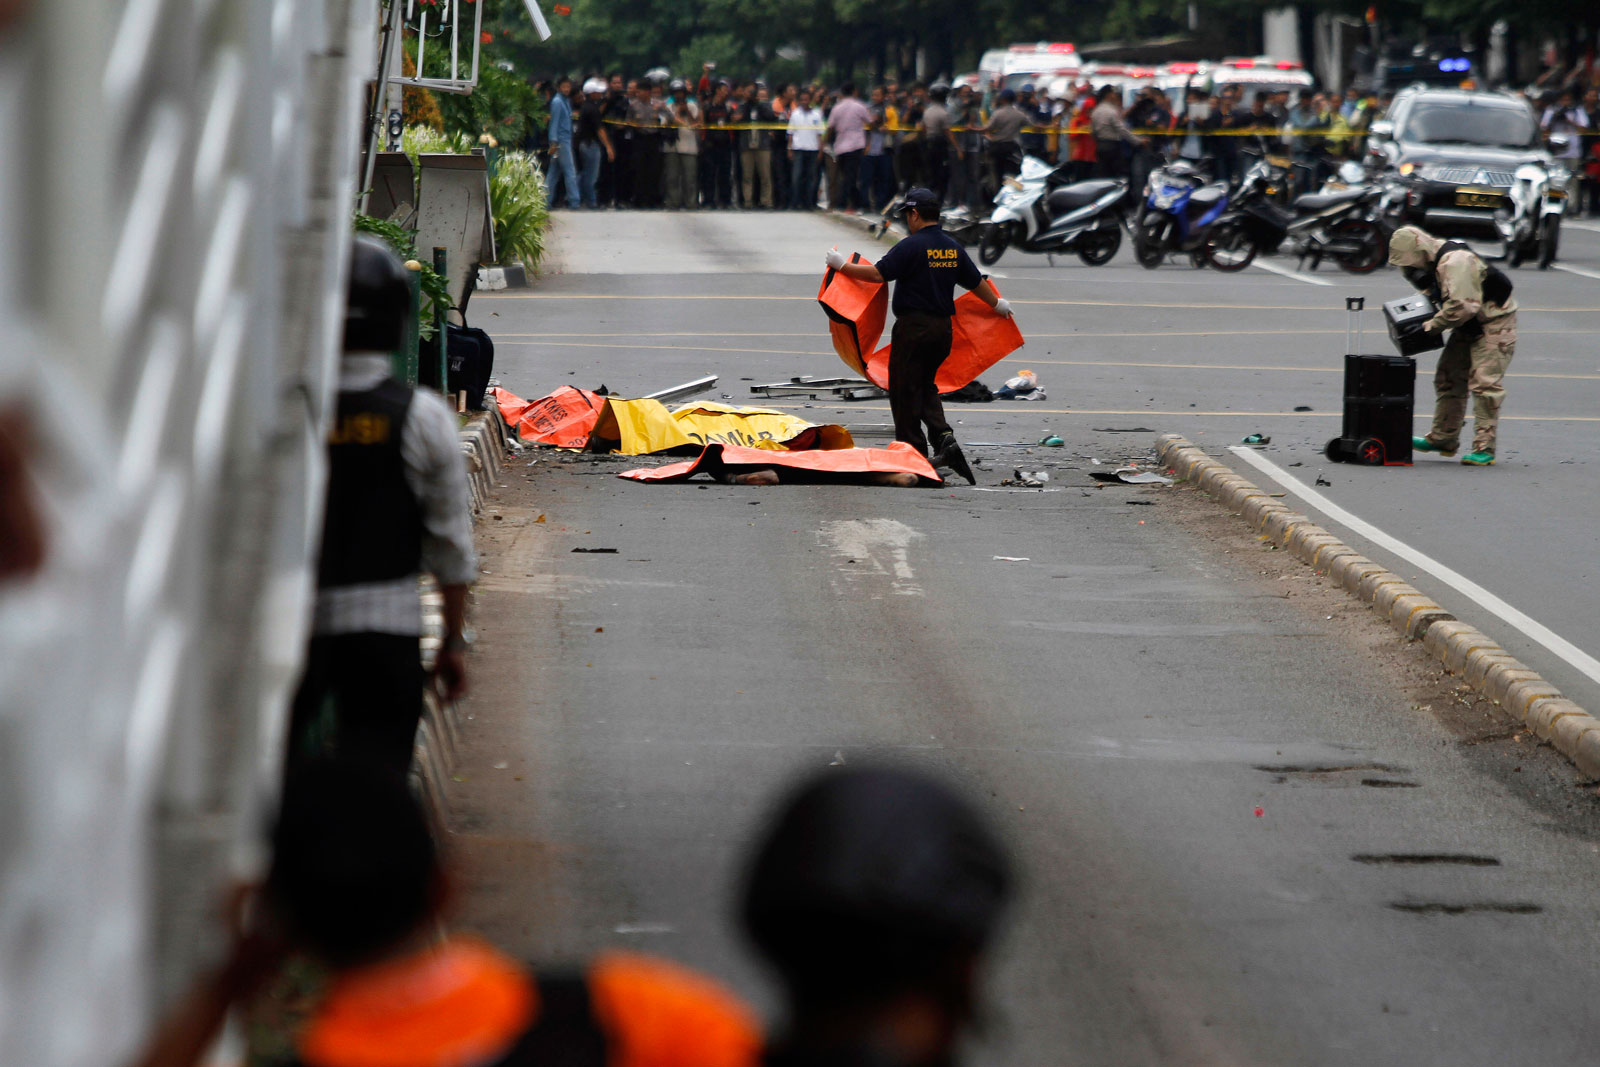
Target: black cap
{"x":924,"y":202}
{"x":379,"y":297}
{"x":870,"y":880}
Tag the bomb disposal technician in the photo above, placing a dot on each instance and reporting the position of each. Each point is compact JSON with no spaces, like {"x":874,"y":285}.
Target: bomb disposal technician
{"x":1474,"y":300}
{"x":925,"y":267}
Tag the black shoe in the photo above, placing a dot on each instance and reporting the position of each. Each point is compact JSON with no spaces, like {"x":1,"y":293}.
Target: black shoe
{"x":949,"y":455}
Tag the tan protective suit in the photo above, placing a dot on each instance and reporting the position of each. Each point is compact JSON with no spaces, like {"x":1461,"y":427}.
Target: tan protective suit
{"x":1472,"y":362}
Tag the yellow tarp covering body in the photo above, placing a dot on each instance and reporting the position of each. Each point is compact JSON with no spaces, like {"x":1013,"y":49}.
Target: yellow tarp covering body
{"x":643,"y":427}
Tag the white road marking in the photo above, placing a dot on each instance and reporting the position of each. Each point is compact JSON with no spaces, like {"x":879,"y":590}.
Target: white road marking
{"x":1577,"y":270}
{"x":1524,"y":624}
{"x":874,"y":546}
{"x":1285,"y":272}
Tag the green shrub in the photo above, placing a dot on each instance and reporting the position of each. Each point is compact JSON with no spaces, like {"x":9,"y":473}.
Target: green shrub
{"x":521,"y":213}
{"x":435,"y":289}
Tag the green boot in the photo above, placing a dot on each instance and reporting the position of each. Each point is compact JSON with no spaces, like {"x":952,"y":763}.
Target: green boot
{"x":1422,"y":444}
{"x":1478,"y":459}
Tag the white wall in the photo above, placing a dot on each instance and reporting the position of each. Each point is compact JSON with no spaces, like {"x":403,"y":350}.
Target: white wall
{"x":175,"y":184}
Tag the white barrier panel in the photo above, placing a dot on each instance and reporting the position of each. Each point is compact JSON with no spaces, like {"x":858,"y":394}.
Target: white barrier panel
{"x":175,"y":190}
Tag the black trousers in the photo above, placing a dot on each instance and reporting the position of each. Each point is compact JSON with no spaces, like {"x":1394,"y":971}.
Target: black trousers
{"x":647,"y":170}
{"x":848,"y":194}
{"x":918,"y":344}
{"x":360,"y":699}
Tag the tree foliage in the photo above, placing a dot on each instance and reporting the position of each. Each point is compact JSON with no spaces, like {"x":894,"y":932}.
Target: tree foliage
{"x":784,"y":39}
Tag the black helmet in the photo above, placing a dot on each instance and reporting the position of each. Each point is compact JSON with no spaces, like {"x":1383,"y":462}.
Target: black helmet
{"x":379,"y":297}
{"x":873,"y":880}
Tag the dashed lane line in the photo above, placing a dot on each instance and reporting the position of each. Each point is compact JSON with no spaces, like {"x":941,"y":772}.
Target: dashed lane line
{"x":971,"y":411}
{"x":1577,"y":270}
{"x":1518,"y":620}
{"x":1143,"y":305}
{"x":1009,"y":359}
{"x":1285,"y":272}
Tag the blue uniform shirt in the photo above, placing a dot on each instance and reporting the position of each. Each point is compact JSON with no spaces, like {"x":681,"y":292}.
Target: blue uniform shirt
{"x":926,"y":267}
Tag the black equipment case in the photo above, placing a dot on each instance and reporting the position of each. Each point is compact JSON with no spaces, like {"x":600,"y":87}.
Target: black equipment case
{"x":1379,"y":395}
{"x":1406,"y":317}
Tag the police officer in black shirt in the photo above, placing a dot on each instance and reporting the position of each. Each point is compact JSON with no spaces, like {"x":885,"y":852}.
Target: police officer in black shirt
{"x":926,"y":267}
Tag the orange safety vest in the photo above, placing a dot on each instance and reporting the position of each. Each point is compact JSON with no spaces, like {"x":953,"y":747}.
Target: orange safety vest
{"x":465,"y":1004}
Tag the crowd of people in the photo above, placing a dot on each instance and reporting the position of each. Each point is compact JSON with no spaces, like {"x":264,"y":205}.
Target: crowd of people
{"x":713,"y":142}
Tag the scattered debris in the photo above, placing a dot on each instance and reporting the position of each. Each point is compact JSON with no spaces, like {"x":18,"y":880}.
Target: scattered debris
{"x":1323,"y":481}
{"x":1303,"y":407}
{"x":1024,"y":386}
{"x":974,"y":392}
{"x":815,"y":388}
{"x":1122,"y":429}
{"x":1013,"y":559}
{"x":1130,"y":476}
{"x":1256,"y":439}
{"x":1050,"y":440}
{"x":1027,"y":479}
{"x":610,"y":551}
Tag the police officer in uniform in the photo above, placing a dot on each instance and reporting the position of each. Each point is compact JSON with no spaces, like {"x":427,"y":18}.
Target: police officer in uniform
{"x":397,"y":505}
{"x":1475,"y":302}
{"x":925,"y":267}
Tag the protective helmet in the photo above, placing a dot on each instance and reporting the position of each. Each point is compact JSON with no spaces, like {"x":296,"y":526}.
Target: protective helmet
{"x":379,"y":297}
{"x":594,"y":85}
{"x":872,"y":880}
{"x":678,"y":85}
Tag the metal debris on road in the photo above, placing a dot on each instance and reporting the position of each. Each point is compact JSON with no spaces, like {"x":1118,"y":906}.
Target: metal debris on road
{"x":684,"y":391}
{"x":1050,"y":440}
{"x":610,"y":551}
{"x":815,"y":388}
{"x":1256,"y":439}
{"x":1013,"y":559}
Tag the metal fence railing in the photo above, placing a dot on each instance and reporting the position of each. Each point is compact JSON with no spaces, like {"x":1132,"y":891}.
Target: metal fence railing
{"x":176,"y":178}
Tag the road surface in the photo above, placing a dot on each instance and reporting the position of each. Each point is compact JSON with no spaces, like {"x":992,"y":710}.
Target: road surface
{"x":1255,"y":828}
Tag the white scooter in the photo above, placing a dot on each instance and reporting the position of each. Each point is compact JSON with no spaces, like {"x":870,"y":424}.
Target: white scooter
{"x":1041,"y":211}
{"x":1532,"y":229}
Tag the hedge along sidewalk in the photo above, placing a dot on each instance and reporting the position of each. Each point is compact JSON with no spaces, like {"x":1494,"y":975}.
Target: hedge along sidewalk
{"x":1518,"y":691}
{"x":484,"y":440}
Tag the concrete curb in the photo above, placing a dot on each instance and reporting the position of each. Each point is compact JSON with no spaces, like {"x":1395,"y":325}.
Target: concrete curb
{"x":1518,"y":691}
{"x":483,"y":445}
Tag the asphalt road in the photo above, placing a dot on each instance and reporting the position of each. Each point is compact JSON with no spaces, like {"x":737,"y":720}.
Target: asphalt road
{"x":1186,"y":738}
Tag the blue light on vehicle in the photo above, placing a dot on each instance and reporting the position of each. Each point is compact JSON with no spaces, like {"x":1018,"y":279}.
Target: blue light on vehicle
{"x":1457,"y":64}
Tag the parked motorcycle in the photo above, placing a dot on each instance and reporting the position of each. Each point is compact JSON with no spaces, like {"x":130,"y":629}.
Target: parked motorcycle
{"x":1532,"y":229}
{"x":1337,"y":223}
{"x":957,"y":222}
{"x":1043,"y":212}
{"x":1177,"y":212}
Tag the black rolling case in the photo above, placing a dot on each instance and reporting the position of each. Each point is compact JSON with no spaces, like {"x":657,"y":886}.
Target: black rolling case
{"x":471,"y":355}
{"x":1379,"y":396}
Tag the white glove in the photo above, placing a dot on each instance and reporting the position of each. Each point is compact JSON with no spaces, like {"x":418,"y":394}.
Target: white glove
{"x":1002,"y":307}
{"x":835,"y":259}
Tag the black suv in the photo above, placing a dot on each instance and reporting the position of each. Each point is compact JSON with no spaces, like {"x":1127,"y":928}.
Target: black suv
{"x":1457,"y":153}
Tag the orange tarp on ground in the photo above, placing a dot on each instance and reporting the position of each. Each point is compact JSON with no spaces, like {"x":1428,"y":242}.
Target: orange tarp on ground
{"x":897,"y":458}
{"x":566,"y":418}
{"x":856,"y":309}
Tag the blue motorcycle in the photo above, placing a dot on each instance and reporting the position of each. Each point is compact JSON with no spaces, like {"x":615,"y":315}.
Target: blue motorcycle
{"x":1179,"y":208}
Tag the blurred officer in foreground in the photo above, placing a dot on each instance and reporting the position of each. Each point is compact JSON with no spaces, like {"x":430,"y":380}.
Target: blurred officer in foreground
{"x":926,"y":267}
{"x":874,"y":897}
{"x":357,"y":882}
{"x":397,"y":505}
{"x":1475,"y":302}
